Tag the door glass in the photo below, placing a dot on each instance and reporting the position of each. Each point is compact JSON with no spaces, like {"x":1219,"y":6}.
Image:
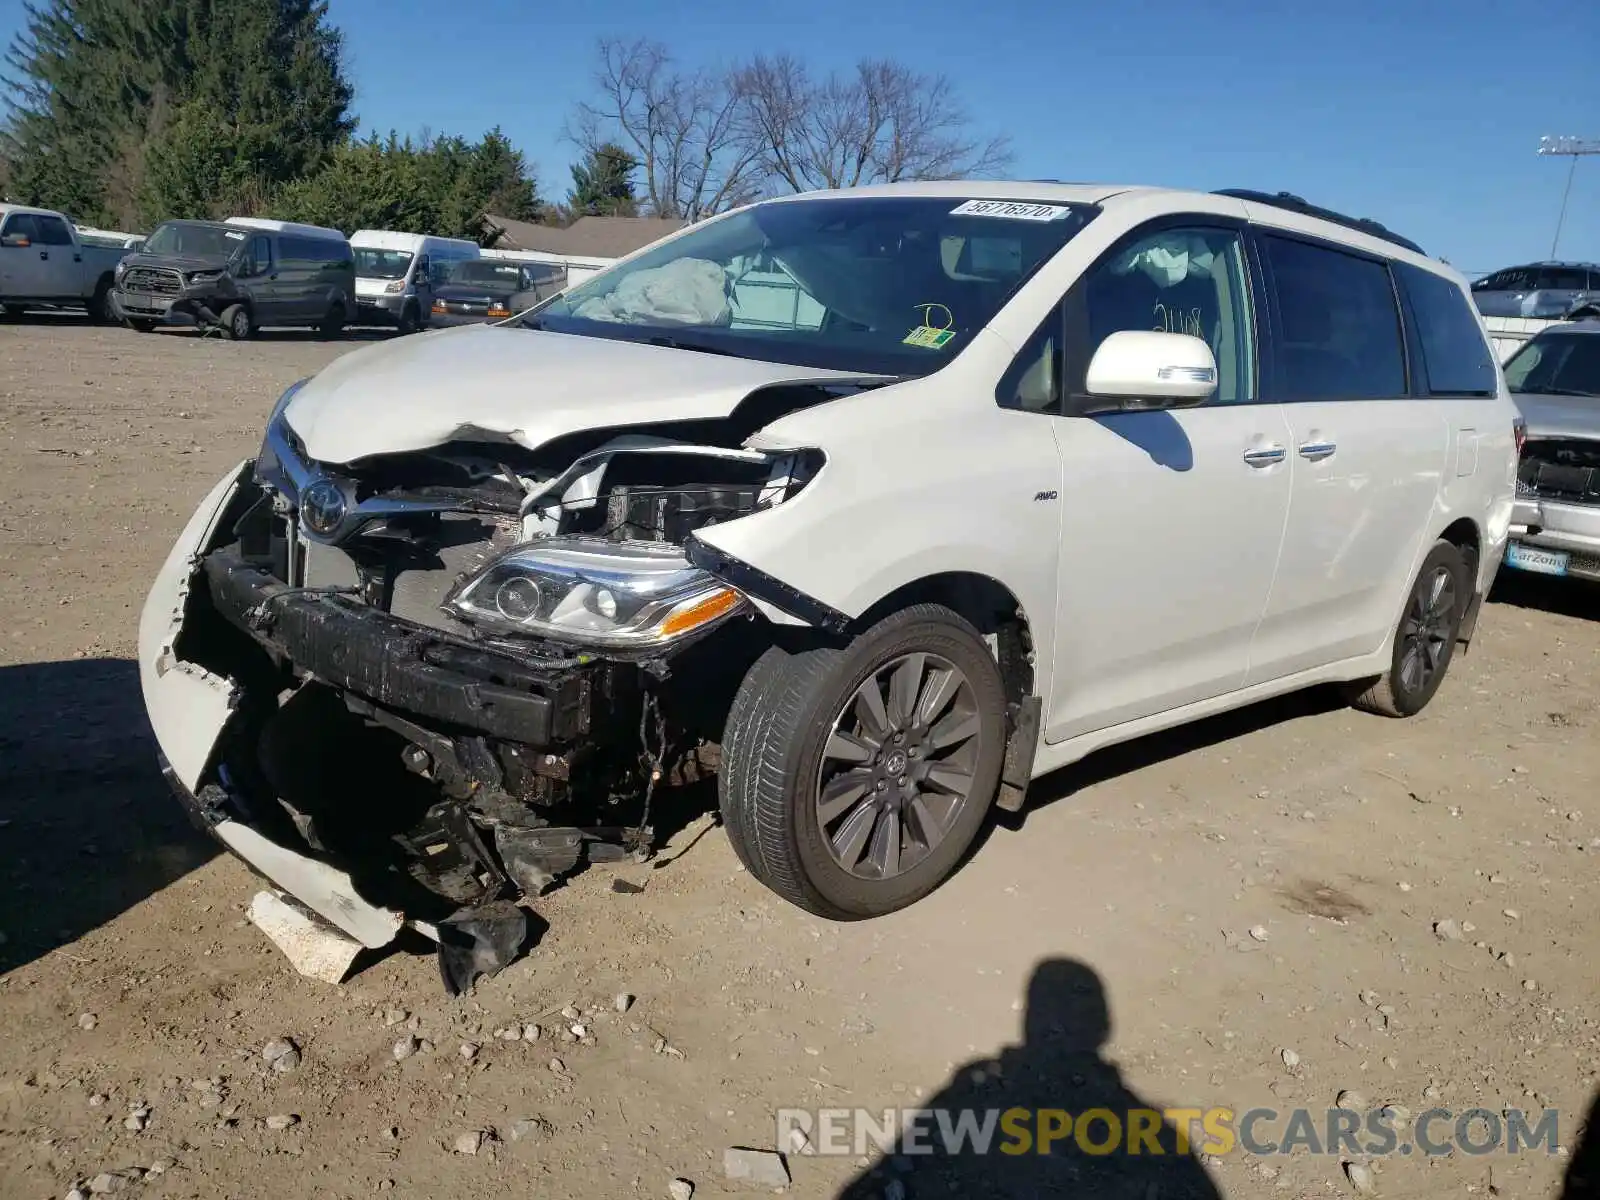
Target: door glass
{"x":1033,"y":381}
{"x":20,"y":225}
{"x":260,"y":260}
{"x":53,"y":231}
{"x":1562,"y":279}
{"x":1181,"y":281}
{"x":1338,"y":334}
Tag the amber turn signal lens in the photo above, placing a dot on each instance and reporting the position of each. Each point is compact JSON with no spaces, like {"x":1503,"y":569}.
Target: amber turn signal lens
{"x":709,"y":609}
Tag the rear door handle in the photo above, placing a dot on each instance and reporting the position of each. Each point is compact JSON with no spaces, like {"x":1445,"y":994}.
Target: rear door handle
{"x":1316,"y":451}
{"x":1264,"y":456}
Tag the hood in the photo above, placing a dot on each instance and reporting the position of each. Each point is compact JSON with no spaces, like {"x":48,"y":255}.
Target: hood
{"x":179,"y":262}
{"x":527,"y":385}
{"x":1559,"y":416}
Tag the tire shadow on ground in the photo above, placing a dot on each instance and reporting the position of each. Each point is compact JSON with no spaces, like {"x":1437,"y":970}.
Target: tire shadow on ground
{"x":88,"y":827}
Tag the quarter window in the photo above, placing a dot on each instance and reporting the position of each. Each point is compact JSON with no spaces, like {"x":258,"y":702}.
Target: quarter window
{"x":1181,"y":280}
{"x":1455,"y":356}
{"x":1338,"y":330}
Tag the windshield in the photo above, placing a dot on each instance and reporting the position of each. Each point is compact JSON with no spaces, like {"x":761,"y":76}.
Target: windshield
{"x":1557,"y":364}
{"x":886,"y":285}
{"x":382,"y":264}
{"x":183,"y":240}
{"x":487,"y":271}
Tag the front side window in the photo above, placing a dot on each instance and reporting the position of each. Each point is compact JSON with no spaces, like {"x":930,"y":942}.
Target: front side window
{"x":20,"y":225}
{"x":892,"y":285}
{"x":259,"y":260}
{"x":1180,"y":280}
{"x":1338,"y":332}
{"x":1557,"y":364}
{"x":1455,"y":355}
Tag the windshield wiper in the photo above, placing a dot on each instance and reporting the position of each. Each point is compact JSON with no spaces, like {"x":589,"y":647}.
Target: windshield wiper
{"x":673,"y":343}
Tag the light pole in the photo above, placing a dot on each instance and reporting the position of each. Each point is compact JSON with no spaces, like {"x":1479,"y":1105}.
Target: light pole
{"x":1573,"y":148}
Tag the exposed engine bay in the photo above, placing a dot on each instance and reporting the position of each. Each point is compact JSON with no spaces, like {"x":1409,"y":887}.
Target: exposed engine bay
{"x":464,"y":672}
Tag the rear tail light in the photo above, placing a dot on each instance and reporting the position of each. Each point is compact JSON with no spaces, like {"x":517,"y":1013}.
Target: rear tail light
{"x":1519,"y":431}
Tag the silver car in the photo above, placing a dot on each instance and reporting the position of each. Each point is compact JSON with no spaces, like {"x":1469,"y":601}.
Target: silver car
{"x":1555,"y":522}
{"x":1550,"y":290}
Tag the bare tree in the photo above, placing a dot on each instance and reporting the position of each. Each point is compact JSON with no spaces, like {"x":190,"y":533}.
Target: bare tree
{"x":884,"y":123}
{"x":683,"y":127}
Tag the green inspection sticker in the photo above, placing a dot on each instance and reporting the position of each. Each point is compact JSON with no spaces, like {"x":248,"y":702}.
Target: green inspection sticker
{"x":928,"y":337}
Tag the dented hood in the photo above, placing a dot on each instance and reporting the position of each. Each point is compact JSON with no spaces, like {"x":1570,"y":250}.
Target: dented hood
{"x":528,"y":385}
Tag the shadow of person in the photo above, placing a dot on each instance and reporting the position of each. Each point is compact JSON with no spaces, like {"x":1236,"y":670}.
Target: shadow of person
{"x":1066,"y":1091}
{"x":1582,"y":1181}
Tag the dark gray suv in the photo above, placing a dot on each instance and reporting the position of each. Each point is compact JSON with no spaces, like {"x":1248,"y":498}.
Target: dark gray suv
{"x":1549,"y":289}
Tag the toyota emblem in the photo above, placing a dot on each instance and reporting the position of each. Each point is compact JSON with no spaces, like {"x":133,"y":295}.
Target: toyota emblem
{"x":322,"y":507}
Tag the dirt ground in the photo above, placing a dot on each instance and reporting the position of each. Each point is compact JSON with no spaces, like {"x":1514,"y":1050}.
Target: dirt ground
{"x":1240,"y":914}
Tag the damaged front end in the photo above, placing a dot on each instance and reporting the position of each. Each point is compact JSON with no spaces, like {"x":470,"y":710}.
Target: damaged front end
{"x":425,"y":686}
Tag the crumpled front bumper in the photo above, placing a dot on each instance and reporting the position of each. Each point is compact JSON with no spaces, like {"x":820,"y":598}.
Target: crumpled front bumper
{"x":189,"y":709}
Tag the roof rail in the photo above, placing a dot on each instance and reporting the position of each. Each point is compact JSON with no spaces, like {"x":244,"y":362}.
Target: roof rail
{"x":1293,"y":203}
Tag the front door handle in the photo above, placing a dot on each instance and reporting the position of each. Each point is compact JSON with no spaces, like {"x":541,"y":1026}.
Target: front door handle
{"x":44,"y":254}
{"x":1316,"y":451}
{"x":1264,"y":456}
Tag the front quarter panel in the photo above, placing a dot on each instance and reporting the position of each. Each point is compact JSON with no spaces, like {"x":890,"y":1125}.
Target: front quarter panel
{"x":921,"y":478}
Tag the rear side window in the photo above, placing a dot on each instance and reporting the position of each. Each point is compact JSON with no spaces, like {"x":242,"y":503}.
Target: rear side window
{"x":1337,"y":336}
{"x":53,"y":231}
{"x":1562,"y":279}
{"x":1455,"y":355}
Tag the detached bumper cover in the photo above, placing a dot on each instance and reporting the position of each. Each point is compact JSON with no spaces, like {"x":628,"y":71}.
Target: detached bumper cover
{"x":403,"y":666}
{"x":320,"y":886}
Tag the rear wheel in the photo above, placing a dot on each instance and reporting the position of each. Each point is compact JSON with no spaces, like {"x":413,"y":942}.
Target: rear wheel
{"x":237,"y":323}
{"x":333,"y":322}
{"x":1425,"y":640}
{"x":854,"y":780}
{"x":101,"y":310}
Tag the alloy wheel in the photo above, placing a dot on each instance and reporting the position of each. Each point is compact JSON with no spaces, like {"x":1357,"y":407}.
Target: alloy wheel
{"x":898,"y":767}
{"x":1427,"y":629}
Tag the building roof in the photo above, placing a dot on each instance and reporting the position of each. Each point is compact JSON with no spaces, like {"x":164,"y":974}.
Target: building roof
{"x":587,"y":237}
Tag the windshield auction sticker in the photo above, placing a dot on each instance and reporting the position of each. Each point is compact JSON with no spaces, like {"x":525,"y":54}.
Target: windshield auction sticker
{"x":1011,"y":210}
{"x":928,"y":337}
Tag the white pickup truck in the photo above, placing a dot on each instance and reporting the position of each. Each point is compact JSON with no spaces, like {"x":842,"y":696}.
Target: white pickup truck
{"x":44,"y":264}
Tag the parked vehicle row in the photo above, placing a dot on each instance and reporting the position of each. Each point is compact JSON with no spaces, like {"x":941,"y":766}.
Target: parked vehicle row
{"x":1549,"y":290}
{"x":1029,"y":469}
{"x":244,"y":273}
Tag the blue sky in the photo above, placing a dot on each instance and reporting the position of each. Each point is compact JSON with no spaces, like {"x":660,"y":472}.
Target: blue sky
{"x":1423,"y":115}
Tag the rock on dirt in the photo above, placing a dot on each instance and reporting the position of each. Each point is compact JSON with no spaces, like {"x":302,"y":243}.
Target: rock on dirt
{"x":680,"y":1189}
{"x":281,"y":1054}
{"x":281,"y":1121}
{"x":764,"y":1167}
{"x":470,"y":1142}
{"x":1448,"y":930}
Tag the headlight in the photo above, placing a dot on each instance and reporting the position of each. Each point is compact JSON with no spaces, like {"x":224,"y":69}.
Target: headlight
{"x":270,"y":467}
{"x":120,"y":268}
{"x":205,"y":276}
{"x":398,"y":285}
{"x":594,"y":592}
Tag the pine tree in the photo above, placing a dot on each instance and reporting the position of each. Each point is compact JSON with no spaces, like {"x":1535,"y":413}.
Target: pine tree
{"x":602,"y":185}
{"x":129,"y":111}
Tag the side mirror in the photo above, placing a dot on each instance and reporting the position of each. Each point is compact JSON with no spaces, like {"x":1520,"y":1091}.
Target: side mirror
{"x":1142,"y":369}
{"x":15,"y":241}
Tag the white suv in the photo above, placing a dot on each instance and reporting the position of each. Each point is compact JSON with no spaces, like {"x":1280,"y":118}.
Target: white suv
{"x":900,"y":496}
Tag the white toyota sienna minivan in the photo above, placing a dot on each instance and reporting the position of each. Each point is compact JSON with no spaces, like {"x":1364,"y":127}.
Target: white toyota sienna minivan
{"x":878,"y":504}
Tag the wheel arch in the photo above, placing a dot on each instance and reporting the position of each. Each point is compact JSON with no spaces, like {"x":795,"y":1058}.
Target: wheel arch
{"x":1464,"y":534}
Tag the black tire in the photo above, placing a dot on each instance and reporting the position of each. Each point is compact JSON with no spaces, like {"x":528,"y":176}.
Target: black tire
{"x":1429,"y":627}
{"x":409,"y":321}
{"x":773,"y":757}
{"x":13,"y":312}
{"x":237,"y":323}
{"x":140,"y":324}
{"x":333,"y":322}
{"x":101,"y":310}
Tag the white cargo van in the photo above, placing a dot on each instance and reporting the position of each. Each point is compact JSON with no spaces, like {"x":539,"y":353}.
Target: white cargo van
{"x":396,"y":274}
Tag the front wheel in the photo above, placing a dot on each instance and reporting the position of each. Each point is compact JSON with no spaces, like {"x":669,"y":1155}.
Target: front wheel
{"x":409,"y":321}
{"x":237,"y":323}
{"x":1425,"y":639}
{"x":854,"y":780}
